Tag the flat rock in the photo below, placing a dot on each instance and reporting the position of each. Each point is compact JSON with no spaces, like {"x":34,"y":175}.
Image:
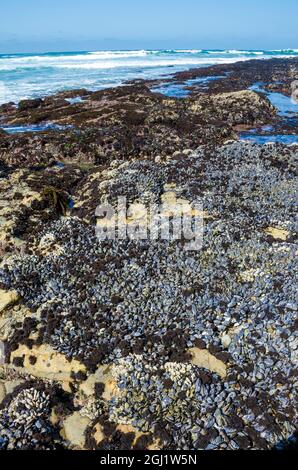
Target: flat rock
{"x":102,"y":375}
{"x":7,"y":298}
{"x":74,"y":428}
{"x":277,"y":233}
{"x":49,"y":364}
{"x":203,"y":358}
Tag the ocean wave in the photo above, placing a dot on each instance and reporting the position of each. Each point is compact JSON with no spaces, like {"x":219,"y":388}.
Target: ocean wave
{"x":73,"y":58}
{"x":152,"y":63}
{"x":235,"y":51}
{"x":118,"y":54}
{"x":78,"y":60}
{"x":182,"y":51}
{"x":189,"y":51}
{"x":290,"y":51}
{"x":94,"y":62}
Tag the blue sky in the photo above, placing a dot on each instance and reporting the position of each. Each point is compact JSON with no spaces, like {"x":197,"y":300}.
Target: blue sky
{"x":42,"y":25}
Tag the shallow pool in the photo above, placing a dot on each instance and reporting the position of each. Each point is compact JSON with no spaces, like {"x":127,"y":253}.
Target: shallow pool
{"x":284,"y":104}
{"x":265,"y":139}
{"x":77,"y":99}
{"x":34,"y":128}
{"x":286,"y":109}
{"x":179,"y":90}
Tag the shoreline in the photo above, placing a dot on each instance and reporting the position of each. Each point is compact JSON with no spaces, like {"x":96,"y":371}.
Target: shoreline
{"x":187,"y":71}
{"x":73,"y":109}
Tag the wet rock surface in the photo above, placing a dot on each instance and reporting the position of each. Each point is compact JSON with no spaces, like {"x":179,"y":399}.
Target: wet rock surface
{"x":142,"y":344}
{"x":130,"y":121}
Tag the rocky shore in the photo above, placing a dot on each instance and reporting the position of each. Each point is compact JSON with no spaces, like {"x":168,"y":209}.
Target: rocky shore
{"x":142,"y":344}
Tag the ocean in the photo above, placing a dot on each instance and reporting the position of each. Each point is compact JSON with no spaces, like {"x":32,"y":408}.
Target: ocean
{"x":25,"y":76}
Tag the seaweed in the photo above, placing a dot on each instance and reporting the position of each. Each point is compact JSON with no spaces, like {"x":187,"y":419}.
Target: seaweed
{"x":58,"y":198}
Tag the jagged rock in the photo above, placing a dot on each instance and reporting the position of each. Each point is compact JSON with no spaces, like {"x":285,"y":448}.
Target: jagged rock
{"x":25,"y":105}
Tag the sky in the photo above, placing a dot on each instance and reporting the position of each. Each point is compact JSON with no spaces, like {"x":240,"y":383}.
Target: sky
{"x":77,"y":25}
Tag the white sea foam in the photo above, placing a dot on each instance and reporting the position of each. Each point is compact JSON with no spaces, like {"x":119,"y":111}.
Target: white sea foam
{"x":186,"y":51}
{"x":105,"y":62}
{"x":236,"y":51}
{"x":119,"y":54}
{"x":284,"y":50}
{"x":152,"y":63}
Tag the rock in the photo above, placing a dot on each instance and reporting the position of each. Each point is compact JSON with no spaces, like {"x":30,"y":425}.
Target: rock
{"x":8,"y":386}
{"x":7,"y":298}
{"x":99,"y":435}
{"x":203,"y":358}
{"x":74,"y":428}
{"x":26,"y":198}
{"x":49,"y":363}
{"x":9,"y":317}
{"x":7,"y":107}
{"x":25,"y":105}
{"x":226,"y":340}
{"x":2,"y":353}
{"x":2,"y":392}
{"x":11,"y":385}
{"x":102,"y":375}
{"x":277,"y":233}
